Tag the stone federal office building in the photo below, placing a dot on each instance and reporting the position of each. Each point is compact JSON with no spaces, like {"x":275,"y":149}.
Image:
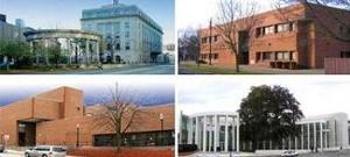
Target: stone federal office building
{"x":58,"y":117}
{"x":130,"y":35}
{"x":298,"y":34}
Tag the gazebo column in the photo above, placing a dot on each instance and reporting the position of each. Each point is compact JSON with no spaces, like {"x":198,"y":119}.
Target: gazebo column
{"x":210,"y":134}
{"x":237,"y":133}
{"x":226,"y":133}
{"x":216,"y":140}
{"x":321,"y":136}
{"x":190,"y":132}
{"x":97,"y":51}
{"x":204,"y":133}
{"x":197,"y":132}
{"x":233,"y":134}
{"x":87,"y":52}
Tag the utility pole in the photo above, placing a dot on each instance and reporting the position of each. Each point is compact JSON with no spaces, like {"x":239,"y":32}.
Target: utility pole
{"x":210,"y":39}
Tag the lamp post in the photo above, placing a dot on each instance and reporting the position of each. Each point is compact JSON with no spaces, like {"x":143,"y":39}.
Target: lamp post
{"x":78,"y":129}
{"x":161,"y":118}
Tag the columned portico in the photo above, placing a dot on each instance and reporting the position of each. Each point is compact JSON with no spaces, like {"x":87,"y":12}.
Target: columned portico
{"x":211,"y":126}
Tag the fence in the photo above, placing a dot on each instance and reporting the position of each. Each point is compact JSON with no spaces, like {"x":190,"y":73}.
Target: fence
{"x":337,"y":65}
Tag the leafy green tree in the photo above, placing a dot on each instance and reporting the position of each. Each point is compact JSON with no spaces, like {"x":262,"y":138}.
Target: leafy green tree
{"x":18,"y":51}
{"x":269,"y":113}
{"x":55,"y":55}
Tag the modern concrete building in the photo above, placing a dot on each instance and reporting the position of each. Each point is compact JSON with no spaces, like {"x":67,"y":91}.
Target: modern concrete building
{"x":324,"y":132}
{"x":130,"y":35}
{"x":297,"y":36}
{"x":59,"y":117}
{"x":77,"y":46}
{"x":212,"y":131}
{"x":10,"y":32}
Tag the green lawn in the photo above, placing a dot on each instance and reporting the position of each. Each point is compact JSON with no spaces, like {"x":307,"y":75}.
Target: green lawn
{"x":207,"y":69}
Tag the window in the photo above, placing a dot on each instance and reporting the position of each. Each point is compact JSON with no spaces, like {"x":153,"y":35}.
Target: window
{"x":216,"y":56}
{"x":127,"y":46}
{"x":127,"y":34}
{"x":267,"y":56}
{"x":117,"y":46}
{"x":204,"y":40}
{"x":215,"y":38}
{"x":127,"y":25}
{"x":283,"y":55}
{"x":283,"y":27}
{"x":345,"y":54}
{"x":269,"y":30}
{"x":258,"y":32}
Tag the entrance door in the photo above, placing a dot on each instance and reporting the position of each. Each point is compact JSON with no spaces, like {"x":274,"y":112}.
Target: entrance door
{"x":26,"y":134}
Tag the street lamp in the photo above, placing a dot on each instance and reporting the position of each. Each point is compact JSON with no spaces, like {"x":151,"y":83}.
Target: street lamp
{"x":161,"y":118}
{"x":78,"y":129}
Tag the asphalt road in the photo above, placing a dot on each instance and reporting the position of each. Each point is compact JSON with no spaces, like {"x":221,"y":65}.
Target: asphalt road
{"x":147,"y":69}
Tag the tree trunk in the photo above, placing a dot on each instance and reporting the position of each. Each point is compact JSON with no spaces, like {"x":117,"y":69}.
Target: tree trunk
{"x":237,"y":62}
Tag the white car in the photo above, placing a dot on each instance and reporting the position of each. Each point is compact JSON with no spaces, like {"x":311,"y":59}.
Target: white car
{"x":46,"y":151}
{"x":290,"y":153}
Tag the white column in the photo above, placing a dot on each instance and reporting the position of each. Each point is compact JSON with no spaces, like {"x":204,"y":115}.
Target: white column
{"x":197,"y":132}
{"x":215,"y":133}
{"x":98,"y":52}
{"x":226,"y":133}
{"x":270,"y":144}
{"x":326,"y":140}
{"x":237,"y":133}
{"x":204,"y":133}
{"x":302,"y":136}
{"x":315,"y":136}
{"x":295,"y":143}
{"x":190,"y":131}
{"x":87,"y":53}
{"x":233,"y":134}
{"x":308,"y":136}
{"x":210,"y":134}
{"x":321,"y":136}
{"x":289,"y":142}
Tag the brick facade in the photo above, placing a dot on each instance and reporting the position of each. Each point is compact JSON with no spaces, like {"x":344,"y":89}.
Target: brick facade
{"x":55,"y":114}
{"x":296,"y":34}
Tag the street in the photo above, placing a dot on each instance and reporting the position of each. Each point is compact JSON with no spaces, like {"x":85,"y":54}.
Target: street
{"x":146,"y":69}
{"x":11,"y":153}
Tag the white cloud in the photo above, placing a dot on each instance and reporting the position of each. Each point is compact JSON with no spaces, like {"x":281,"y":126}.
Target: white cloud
{"x":317,"y":94}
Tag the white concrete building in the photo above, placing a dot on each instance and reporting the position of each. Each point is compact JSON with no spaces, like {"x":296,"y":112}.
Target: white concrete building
{"x":323,"y":132}
{"x":130,"y":35}
{"x":213,"y":131}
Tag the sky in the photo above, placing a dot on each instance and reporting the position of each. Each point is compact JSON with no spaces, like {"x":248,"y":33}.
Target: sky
{"x":316,"y":94}
{"x":67,"y":13}
{"x":145,"y":90}
{"x":197,"y":13}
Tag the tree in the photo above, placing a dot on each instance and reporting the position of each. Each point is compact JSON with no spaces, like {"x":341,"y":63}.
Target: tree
{"x":55,"y":54}
{"x":119,"y":115}
{"x":235,"y":17}
{"x":269,"y":113}
{"x":322,"y":18}
{"x":17,"y":51}
{"x":189,"y":47}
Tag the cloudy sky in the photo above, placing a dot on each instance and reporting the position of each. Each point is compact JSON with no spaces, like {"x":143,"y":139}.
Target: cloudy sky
{"x":146,"y":90}
{"x":67,"y":13}
{"x":317,"y":94}
{"x":197,"y":13}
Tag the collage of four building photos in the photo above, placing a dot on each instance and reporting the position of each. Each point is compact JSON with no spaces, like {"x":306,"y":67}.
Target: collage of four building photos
{"x":168,"y":78}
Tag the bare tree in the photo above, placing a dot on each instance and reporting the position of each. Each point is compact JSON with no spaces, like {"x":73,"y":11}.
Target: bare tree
{"x":118,"y":115}
{"x":235,"y":17}
{"x":189,"y":46}
{"x":326,"y":28}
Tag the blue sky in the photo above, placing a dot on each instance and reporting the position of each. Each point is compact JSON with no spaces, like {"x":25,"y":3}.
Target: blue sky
{"x":97,"y":89}
{"x":67,"y":13}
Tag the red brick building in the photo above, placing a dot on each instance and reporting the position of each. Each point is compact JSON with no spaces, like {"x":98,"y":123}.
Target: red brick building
{"x":297,"y":34}
{"x":54,"y":117}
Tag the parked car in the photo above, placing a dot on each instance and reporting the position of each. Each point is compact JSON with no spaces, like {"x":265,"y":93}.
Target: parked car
{"x":46,"y":151}
{"x":2,"y":148}
{"x":290,"y":153}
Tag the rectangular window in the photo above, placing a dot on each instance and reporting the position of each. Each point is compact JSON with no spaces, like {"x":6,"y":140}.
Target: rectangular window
{"x":269,"y":30}
{"x":215,"y":38}
{"x":127,"y":25}
{"x":127,"y":34}
{"x":216,"y":56}
{"x":267,"y":56}
{"x":127,"y":46}
{"x":283,"y":27}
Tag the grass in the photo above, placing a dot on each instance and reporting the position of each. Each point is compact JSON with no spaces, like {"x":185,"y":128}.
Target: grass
{"x":209,"y":69}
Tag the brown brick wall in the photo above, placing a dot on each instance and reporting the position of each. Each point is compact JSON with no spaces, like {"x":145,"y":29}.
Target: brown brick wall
{"x":307,"y":42}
